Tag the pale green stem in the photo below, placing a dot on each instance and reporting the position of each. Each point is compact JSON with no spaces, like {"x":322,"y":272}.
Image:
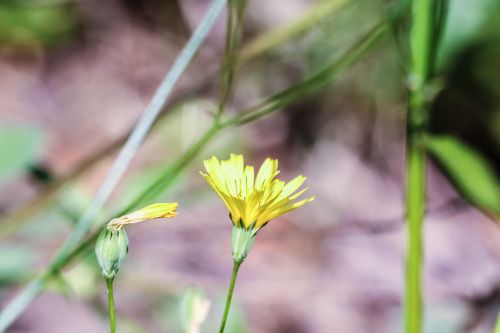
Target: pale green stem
{"x":111,"y":306}
{"x":236,"y":267}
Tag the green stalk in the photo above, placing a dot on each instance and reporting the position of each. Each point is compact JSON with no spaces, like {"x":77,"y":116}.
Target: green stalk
{"x":111,"y":306}
{"x":236,"y":267}
{"x":420,"y":56}
{"x":415,"y":206}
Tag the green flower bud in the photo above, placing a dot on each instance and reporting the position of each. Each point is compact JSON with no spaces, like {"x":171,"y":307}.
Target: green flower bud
{"x":242,"y":242}
{"x":111,"y":247}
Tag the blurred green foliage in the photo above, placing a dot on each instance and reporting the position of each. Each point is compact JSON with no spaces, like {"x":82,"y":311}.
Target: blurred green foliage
{"x":28,"y":25}
{"x":471,"y":173}
{"x":468,"y":22}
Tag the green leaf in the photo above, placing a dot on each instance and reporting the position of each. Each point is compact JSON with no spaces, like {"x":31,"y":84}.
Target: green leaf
{"x":471,"y":173}
{"x":19,"y":147}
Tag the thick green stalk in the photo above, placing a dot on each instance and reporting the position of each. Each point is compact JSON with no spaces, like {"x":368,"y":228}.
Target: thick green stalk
{"x":419,"y":64}
{"x":236,"y":267}
{"x":415,"y":206}
{"x":111,"y":306}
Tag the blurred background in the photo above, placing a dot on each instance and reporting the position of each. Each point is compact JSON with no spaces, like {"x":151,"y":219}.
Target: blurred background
{"x":76,"y":75}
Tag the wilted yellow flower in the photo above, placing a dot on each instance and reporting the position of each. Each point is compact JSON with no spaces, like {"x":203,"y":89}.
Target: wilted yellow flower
{"x":112,"y":244}
{"x":154,"y":211}
{"x":253,"y":201}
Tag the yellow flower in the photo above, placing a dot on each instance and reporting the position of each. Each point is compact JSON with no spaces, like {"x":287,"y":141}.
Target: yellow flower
{"x":154,"y":211}
{"x":253,"y":201}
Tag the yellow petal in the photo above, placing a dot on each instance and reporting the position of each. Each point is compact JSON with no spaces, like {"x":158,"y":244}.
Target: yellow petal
{"x":154,"y":211}
{"x":266,"y":173}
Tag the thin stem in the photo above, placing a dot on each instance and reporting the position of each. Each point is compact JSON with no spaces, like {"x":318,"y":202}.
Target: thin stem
{"x":236,"y":267}
{"x":234,"y":31}
{"x":166,"y":178}
{"x":111,"y":306}
{"x":419,"y":64}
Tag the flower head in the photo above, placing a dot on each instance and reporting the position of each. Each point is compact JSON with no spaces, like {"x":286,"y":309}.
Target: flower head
{"x":253,"y":201}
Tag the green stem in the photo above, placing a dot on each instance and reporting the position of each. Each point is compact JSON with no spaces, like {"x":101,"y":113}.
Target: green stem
{"x":111,"y":306}
{"x":236,"y":267}
{"x":420,"y":57}
{"x":415,"y":207}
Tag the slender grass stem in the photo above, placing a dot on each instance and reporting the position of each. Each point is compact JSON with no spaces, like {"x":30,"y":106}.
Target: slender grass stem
{"x":111,"y":306}
{"x":236,"y":268}
{"x":419,"y":64}
{"x":234,"y":31}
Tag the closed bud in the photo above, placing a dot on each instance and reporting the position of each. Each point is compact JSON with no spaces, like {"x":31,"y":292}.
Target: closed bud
{"x":111,"y":247}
